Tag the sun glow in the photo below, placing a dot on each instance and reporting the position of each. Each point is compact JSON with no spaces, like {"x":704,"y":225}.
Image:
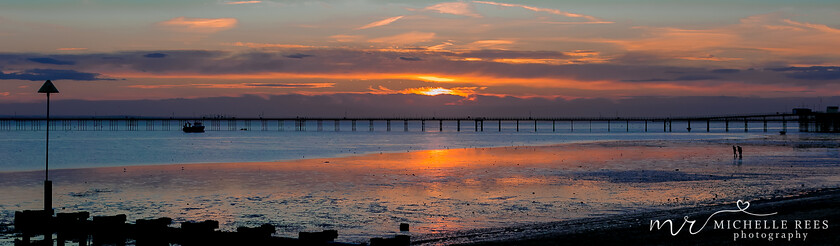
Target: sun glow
{"x":435,"y":79}
{"x":436,"y":91}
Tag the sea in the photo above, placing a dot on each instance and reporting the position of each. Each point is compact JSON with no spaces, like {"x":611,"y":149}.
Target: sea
{"x":86,"y":146}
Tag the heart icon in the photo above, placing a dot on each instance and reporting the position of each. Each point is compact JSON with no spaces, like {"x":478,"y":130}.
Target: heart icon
{"x":742,"y":205}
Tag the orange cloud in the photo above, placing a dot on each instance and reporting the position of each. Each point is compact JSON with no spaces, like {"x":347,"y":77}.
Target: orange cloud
{"x":754,"y":36}
{"x":709,"y":57}
{"x":466,"y":92}
{"x":468,"y":85}
{"x":489,"y":44}
{"x":265,"y":45}
{"x":819,"y":27}
{"x":406,"y":38}
{"x":154,"y":86}
{"x":346,"y":38}
{"x":240,"y":86}
{"x":242,"y":2}
{"x":71,"y":49}
{"x":381,"y":22}
{"x":591,"y":19}
{"x":455,"y":8}
{"x":203,"y":25}
{"x":435,"y":79}
{"x":548,"y":61}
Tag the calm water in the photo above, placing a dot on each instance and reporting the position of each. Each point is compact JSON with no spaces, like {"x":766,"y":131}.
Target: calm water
{"x":24,"y":150}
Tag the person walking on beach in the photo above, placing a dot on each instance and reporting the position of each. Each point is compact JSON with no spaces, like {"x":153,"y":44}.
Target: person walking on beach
{"x":740,"y":152}
{"x":734,"y":152}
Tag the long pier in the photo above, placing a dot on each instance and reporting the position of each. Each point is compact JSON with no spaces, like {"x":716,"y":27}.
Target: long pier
{"x":805,"y":123}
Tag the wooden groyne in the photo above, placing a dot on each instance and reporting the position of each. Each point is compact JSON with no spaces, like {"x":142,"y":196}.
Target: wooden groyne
{"x":113,"y":230}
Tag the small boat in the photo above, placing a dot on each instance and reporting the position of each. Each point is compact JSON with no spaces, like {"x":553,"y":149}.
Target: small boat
{"x":194,"y":127}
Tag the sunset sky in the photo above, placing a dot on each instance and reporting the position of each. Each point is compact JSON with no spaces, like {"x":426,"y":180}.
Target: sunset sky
{"x":421,"y":57}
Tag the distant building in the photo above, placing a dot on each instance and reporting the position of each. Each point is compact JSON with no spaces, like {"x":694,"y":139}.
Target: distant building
{"x":831,"y":109}
{"x":801,"y":111}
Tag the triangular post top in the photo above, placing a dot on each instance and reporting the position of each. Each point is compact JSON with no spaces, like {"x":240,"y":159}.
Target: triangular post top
{"x":48,"y":87}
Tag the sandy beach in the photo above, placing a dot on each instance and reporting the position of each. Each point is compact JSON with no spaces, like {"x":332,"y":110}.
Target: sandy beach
{"x":450,"y":196}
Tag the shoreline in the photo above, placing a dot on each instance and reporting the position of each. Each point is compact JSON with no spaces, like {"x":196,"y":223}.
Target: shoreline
{"x":634,"y":229}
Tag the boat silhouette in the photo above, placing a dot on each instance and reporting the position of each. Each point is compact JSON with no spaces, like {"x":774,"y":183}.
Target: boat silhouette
{"x":194,"y":127}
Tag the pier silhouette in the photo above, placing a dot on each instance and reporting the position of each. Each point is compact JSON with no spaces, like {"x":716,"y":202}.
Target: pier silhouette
{"x":807,"y":121}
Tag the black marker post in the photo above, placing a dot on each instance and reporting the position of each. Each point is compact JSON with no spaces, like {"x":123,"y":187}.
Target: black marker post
{"x":48,"y":88}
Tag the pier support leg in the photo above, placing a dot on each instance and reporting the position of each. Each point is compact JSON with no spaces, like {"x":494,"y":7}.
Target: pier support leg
{"x":765,"y":124}
{"x":500,"y":125}
{"x":337,"y":125}
{"x":353,"y":123}
{"x":609,"y":127}
{"x":746,"y":127}
{"x":388,"y":125}
{"x":475,"y":125}
{"x":459,"y":124}
{"x":707,"y":125}
{"x":482,"y":125}
{"x":553,"y":126}
{"x":370,"y":124}
{"x":784,"y":124}
{"x":665,"y":126}
{"x":517,"y":125}
{"x":670,"y":125}
{"x":405,"y":125}
{"x":627,"y":125}
{"x":423,"y":126}
{"x":727,"y":125}
{"x":572,"y":126}
{"x":440,"y":125}
{"x":689,"y":126}
{"x":535,"y":126}
{"x":645,"y":126}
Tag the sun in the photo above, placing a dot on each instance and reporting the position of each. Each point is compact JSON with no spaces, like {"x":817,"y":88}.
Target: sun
{"x":436,"y":91}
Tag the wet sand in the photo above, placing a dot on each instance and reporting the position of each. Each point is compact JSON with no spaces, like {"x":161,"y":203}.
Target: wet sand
{"x":441,"y":193}
{"x":634,"y":229}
